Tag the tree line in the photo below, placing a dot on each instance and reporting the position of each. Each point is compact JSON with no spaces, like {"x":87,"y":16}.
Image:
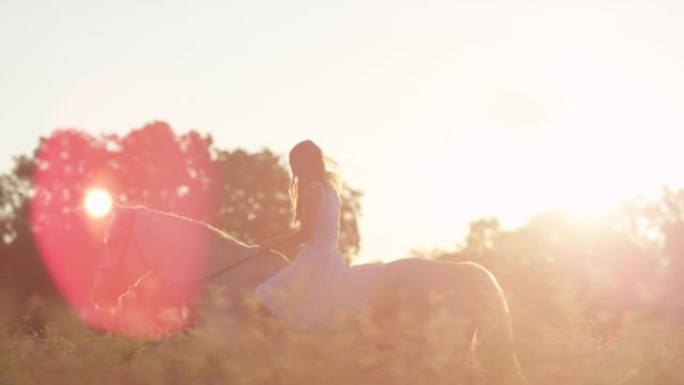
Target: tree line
{"x":624,"y":265}
{"x":559,"y":266}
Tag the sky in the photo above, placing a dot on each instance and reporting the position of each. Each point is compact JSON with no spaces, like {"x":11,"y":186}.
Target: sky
{"x":441,"y":112}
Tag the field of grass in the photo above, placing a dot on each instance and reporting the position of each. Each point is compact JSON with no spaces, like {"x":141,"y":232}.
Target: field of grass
{"x":558,"y":352}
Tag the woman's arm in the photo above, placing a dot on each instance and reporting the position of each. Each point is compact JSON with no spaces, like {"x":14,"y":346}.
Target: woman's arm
{"x":310,"y":201}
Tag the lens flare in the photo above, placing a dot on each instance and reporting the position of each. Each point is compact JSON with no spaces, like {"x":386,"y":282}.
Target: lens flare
{"x":97,"y":202}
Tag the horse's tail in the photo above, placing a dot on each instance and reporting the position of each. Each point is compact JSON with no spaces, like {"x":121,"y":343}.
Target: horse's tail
{"x":496,"y":358}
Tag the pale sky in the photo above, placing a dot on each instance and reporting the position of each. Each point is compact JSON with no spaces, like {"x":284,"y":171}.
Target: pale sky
{"x":440,"y":111}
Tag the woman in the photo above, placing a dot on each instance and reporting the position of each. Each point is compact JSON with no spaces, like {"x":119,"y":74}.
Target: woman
{"x":317,"y":291}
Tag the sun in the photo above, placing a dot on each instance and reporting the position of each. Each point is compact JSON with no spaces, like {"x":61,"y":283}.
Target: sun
{"x":97,"y":202}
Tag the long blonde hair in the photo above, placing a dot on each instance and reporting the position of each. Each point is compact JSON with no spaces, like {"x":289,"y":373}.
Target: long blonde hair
{"x":309,"y":164}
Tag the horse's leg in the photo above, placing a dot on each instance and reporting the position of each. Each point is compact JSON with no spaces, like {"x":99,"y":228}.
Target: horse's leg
{"x":494,"y":351}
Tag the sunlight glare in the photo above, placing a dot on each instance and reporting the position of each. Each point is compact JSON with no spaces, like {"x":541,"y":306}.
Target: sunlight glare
{"x":97,"y":202}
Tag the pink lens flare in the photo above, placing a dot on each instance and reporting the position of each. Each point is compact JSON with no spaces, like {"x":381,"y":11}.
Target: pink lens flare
{"x":77,"y":181}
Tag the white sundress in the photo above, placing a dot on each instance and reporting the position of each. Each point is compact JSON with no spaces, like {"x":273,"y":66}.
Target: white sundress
{"x":318,"y":291}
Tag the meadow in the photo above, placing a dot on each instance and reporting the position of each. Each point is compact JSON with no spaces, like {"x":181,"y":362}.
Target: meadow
{"x":567,"y":351}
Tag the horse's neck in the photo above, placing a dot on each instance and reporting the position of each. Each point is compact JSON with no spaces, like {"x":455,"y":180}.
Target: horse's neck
{"x":209,"y":247}
{"x":224,"y":252}
{"x":251,"y":271}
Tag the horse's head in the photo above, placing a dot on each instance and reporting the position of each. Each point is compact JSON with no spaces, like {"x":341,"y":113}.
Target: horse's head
{"x":115,"y":270}
{"x":180,"y":252}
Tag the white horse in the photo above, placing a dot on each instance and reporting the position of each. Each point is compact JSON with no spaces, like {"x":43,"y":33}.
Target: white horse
{"x":177,"y":258}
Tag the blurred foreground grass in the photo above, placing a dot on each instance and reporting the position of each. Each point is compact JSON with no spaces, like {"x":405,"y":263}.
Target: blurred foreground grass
{"x":565,"y":352}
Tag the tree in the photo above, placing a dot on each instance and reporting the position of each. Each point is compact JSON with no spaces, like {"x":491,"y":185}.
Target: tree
{"x":560,"y":265}
{"x":22,"y":272}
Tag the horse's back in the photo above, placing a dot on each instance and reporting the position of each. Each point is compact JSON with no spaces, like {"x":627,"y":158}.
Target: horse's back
{"x":420,"y":286}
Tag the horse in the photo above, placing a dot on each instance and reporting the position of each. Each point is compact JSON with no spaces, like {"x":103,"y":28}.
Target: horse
{"x":178,"y":258}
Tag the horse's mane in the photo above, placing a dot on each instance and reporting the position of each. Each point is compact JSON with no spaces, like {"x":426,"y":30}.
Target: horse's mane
{"x":216,"y":234}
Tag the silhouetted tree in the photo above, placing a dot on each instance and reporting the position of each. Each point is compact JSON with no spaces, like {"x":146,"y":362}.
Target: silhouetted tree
{"x":561,"y":265}
{"x":23,"y":277}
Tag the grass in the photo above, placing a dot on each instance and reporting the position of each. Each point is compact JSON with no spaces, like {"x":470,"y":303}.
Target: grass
{"x":570,"y":351}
